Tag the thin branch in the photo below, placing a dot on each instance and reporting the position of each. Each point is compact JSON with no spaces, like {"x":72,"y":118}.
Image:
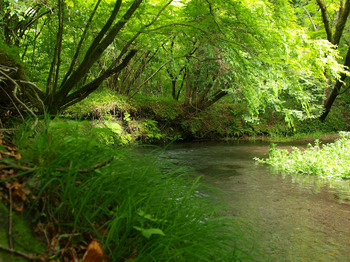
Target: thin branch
{"x":144,"y":82}
{"x":105,"y":28}
{"x":32,"y":169}
{"x":159,"y":13}
{"x":10,"y":220}
{"x":19,"y":253}
{"x":34,"y":20}
{"x":213,"y":15}
{"x":310,"y":18}
{"x":128,"y":44}
{"x":84,"y":171}
{"x":206,"y":33}
{"x":75,"y":57}
{"x":59,"y":42}
{"x":14,"y":104}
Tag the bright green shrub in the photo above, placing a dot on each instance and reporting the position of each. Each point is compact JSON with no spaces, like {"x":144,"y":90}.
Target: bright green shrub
{"x":327,"y":161}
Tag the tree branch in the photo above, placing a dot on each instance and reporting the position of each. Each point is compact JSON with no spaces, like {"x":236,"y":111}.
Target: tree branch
{"x":75,"y":57}
{"x":325,"y":19}
{"x":83,"y":92}
{"x":310,"y":18}
{"x":27,"y":256}
{"x":137,"y":89}
{"x":97,"y":49}
{"x":339,"y":28}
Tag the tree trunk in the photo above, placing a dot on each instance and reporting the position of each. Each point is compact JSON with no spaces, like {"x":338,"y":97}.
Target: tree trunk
{"x":335,"y":91}
{"x":344,"y":12}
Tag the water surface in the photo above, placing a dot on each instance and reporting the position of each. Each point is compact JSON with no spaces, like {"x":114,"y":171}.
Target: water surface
{"x":296,"y":218}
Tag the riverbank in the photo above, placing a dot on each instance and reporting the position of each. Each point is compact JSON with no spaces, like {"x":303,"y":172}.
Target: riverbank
{"x":161,"y":120}
{"x":86,"y":151}
{"x":84,"y":193}
{"x":76,"y":154}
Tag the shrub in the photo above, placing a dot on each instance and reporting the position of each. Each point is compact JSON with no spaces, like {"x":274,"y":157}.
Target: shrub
{"x":327,"y":161}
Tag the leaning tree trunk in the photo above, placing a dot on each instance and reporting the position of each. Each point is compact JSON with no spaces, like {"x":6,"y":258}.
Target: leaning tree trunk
{"x":335,"y":91}
{"x":334,"y":38}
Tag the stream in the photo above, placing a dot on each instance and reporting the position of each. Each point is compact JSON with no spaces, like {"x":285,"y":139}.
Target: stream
{"x":295,"y":217}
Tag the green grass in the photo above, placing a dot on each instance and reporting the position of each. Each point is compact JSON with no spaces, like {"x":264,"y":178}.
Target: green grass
{"x":133,"y":208}
{"x":326,"y":161}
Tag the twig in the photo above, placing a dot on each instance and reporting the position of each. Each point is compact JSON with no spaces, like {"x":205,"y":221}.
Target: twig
{"x":310,"y":18}
{"x":27,"y":256}
{"x":10,"y":220}
{"x":14,"y":104}
{"x":83,"y":171}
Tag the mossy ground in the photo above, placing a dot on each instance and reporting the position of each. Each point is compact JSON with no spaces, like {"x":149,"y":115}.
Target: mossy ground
{"x":22,"y":236}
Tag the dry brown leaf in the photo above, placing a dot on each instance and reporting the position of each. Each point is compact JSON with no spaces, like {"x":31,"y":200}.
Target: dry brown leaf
{"x":94,"y":252}
{"x":18,"y":156}
{"x":18,"y":196}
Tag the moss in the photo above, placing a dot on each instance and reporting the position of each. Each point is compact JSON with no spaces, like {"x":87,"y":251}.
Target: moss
{"x":23,"y":238}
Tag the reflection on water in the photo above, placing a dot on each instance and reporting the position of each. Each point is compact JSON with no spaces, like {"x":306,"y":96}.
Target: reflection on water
{"x":297,"y":218}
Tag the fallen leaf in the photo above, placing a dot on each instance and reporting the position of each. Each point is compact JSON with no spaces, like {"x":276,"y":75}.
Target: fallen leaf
{"x":18,"y":156}
{"x":18,"y":196}
{"x":94,"y":252}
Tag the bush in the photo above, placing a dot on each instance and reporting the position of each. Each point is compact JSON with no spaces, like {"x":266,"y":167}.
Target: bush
{"x":327,"y":161}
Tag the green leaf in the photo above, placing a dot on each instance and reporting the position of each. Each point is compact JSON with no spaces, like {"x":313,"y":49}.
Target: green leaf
{"x":150,"y":231}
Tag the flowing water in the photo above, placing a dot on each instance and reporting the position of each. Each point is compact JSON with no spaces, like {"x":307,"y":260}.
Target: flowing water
{"x":296,"y":218}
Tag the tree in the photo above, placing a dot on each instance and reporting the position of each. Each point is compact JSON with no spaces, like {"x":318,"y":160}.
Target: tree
{"x":332,"y":16}
{"x":265,"y":57}
{"x":252,"y":51}
{"x":63,"y":90}
{"x":334,"y":36}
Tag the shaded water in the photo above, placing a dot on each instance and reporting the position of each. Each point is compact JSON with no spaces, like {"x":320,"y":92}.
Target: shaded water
{"x":296,"y":218}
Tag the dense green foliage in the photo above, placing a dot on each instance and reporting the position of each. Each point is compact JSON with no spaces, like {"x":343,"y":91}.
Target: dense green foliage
{"x":162,"y":119}
{"x":163,"y":70}
{"x":327,"y":161}
{"x":135,"y":209}
{"x":197,"y":52}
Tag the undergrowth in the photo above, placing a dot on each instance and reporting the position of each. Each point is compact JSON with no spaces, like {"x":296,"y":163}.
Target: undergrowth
{"x":162,"y":119}
{"x":85,"y":189}
{"x":327,"y":161}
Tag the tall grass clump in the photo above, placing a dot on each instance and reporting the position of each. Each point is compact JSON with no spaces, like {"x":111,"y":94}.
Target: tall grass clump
{"x":327,"y":161}
{"x":122,"y":198}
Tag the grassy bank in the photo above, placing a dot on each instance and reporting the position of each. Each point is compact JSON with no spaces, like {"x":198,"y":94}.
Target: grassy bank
{"x":80,"y":187}
{"x":161,"y":119}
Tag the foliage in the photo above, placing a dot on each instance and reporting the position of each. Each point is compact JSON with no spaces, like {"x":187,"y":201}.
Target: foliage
{"x":150,"y":131}
{"x":328,"y":20}
{"x":253,"y":51}
{"x":327,"y":161}
{"x":99,"y":105}
{"x":159,"y":108}
{"x":134,"y":209}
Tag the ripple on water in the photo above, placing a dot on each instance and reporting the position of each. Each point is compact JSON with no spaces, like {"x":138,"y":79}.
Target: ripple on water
{"x":296,"y":218}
